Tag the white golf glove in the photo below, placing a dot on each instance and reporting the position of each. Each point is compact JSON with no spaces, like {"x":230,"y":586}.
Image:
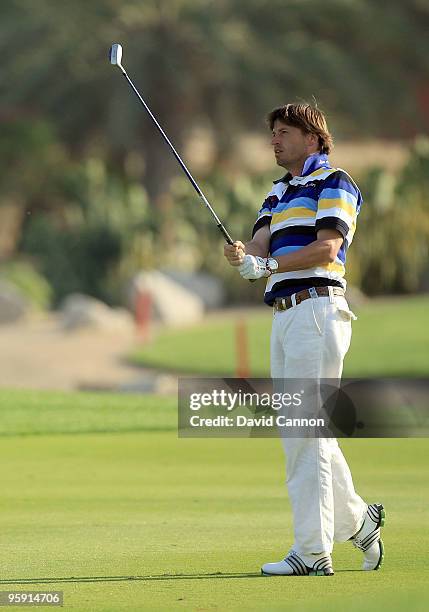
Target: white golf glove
{"x":253,"y":267}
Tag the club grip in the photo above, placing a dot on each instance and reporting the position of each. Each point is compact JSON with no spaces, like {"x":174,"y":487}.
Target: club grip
{"x":225,"y":234}
{"x":230,"y":241}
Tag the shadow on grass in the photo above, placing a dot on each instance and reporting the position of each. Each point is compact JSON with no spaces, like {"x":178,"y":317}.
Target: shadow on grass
{"x":127,"y":578}
{"x":159,"y":577}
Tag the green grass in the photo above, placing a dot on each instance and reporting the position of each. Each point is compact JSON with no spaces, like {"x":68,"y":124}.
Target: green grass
{"x":138,"y":519}
{"x":39,"y":412}
{"x":390,"y":338}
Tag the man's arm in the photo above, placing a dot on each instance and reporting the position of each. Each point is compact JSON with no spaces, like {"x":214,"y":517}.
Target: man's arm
{"x":258,"y":246}
{"x":321,"y":252}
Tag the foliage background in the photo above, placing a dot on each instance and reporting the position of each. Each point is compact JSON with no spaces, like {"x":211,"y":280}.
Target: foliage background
{"x":88,"y":191}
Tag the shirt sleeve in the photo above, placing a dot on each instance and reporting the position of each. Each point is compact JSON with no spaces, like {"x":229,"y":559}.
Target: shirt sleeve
{"x":338,"y":205}
{"x":265,"y":213}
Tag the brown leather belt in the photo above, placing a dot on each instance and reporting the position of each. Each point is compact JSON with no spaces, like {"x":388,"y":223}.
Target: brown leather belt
{"x":286,"y":302}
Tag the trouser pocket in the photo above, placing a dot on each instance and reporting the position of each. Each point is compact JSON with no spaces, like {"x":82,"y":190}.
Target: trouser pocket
{"x":343,"y":326}
{"x":344,"y":311}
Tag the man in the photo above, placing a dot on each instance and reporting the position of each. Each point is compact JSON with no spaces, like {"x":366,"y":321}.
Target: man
{"x":299,"y":243}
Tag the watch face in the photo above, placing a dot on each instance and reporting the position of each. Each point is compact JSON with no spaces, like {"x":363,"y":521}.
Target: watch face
{"x":273,"y":264}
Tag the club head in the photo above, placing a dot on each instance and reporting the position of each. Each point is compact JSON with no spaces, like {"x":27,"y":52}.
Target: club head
{"x":115,"y":55}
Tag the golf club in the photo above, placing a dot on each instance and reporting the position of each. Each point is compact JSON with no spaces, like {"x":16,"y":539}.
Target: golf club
{"x":115,"y":56}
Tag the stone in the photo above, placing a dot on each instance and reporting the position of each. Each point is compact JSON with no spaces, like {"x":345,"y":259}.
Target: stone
{"x":13,"y":305}
{"x":355,"y":297}
{"x":82,"y":311}
{"x":170,"y":303}
{"x":208,"y":288}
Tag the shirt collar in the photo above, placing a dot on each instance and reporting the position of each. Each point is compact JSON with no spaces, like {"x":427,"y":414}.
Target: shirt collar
{"x":312,"y":163}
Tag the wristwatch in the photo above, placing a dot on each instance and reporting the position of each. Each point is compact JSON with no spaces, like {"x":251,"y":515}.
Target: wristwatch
{"x":272,"y":265}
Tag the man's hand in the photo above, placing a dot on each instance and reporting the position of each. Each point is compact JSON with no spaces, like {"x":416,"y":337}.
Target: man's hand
{"x":253,"y":267}
{"x":235,"y":253}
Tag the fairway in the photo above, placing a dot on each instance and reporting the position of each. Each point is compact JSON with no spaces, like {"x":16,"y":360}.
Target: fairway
{"x":390,"y":338}
{"x":101,"y":500}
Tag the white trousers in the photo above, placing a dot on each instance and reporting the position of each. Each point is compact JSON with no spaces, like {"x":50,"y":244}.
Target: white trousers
{"x":311,"y":340}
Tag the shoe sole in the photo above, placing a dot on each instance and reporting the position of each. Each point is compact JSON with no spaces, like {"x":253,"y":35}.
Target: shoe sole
{"x":382,"y":512}
{"x":381,"y":523}
{"x":381,"y":559}
{"x":327,"y":572}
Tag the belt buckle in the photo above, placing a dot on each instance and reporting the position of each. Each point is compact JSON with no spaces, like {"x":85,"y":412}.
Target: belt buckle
{"x":280,"y":304}
{"x":313,"y":293}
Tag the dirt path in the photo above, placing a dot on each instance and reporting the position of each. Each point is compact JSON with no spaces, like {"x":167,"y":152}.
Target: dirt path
{"x":38,"y":354}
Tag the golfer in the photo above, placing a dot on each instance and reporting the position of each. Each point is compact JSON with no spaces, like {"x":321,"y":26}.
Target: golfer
{"x":299,"y":244}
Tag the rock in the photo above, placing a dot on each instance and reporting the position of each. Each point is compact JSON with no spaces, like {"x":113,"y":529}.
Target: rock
{"x":13,"y":305}
{"x":154,"y":383}
{"x":355,"y":297}
{"x":80,"y":311}
{"x":208,"y":288}
{"x":171,"y":304}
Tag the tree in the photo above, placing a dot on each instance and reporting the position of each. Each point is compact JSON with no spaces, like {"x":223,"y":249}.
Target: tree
{"x":225,"y":63}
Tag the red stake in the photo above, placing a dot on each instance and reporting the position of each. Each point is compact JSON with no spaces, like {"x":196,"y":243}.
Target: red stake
{"x":143,"y":314}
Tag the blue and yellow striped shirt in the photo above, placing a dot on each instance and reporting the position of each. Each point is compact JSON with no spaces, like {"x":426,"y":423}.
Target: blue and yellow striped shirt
{"x":296,"y":209}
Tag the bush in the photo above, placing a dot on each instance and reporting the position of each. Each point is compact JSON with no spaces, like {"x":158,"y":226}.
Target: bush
{"x":33,"y":286}
{"x":83,"y":244}
{"x":102,"y":228}
{"x":391,"y":253}
{"x":74,"y":259}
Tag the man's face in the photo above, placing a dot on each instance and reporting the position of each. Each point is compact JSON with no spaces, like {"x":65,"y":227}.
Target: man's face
{"x":291,"y":146}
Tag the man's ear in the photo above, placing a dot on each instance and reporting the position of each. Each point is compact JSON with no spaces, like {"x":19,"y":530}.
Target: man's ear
{"x":312,"y":139}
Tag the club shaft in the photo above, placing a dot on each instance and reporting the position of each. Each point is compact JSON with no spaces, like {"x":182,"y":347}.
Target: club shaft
{"x":181,"y":162}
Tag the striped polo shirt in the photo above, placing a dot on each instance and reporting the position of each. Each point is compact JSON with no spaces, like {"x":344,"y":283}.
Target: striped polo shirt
{"x":295,"y":209}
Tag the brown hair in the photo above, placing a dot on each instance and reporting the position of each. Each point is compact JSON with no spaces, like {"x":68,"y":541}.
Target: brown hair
{"x":309,"y":119}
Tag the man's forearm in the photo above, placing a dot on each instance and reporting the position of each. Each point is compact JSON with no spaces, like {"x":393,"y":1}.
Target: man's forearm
{"x":256,"y":249}
{"x":318,"y":253}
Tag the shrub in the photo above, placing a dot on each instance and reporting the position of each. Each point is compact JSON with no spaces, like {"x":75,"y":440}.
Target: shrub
{"x":32,"y":284}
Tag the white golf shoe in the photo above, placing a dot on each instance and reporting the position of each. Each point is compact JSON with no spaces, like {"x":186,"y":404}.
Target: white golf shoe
{"x":294,"y":565}
{"x":368,"y":539}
